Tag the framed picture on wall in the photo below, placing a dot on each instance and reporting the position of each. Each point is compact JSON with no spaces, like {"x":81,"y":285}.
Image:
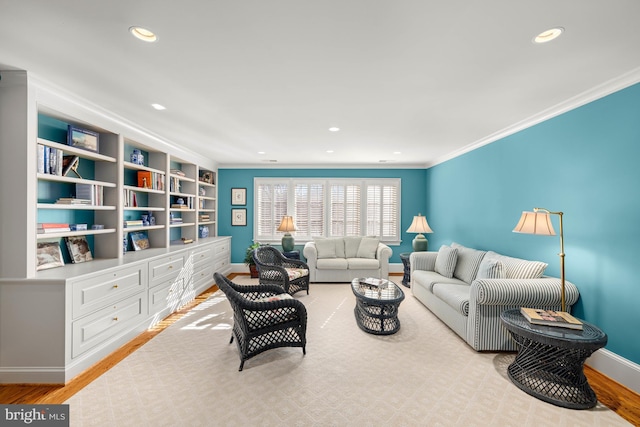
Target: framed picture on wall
{"x":238,"y":217}
{"x":238,"y":196}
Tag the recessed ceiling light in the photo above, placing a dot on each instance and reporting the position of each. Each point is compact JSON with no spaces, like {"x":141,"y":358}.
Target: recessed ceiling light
{"x":260,"y":152}
{"x":143,"y":34}
{"x":334,"y":129}
{"x":159,"y":107}
{"x":548,"y":35}
{"x":329,"y":151}
{"x":397,"y":152}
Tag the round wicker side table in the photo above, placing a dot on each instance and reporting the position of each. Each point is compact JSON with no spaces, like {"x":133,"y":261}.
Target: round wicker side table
{"x":549,"y":364}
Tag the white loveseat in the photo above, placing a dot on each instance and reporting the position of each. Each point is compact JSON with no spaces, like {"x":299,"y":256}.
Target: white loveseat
{"x":468,"y":289}
{"x":346,"y":258}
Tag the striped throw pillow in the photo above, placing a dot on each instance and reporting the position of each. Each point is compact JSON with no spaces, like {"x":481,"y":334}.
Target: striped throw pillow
{"x":491,"y":269}
{"x":516,"y":268}
{"x":446,"y":261}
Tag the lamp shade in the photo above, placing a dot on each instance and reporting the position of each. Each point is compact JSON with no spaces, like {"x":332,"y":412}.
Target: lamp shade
{"x":535,"y":223}
{"x":287,"y":224}
{"x":419,"y":225}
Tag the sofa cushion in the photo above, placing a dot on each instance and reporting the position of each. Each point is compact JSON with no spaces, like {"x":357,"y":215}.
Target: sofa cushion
{"x":427,"y":279}
{"x":491,"y":269}
{"x":516,"y":268}
{"x":468,"y":262}
{"x":363,"y":264}
{"x":326,"y":248}
{"x":332,"y":264}
{"x":446,"y":261}
{"x":456,"y":296}
{"x":351,"y":245}
{"x":367,"y":248}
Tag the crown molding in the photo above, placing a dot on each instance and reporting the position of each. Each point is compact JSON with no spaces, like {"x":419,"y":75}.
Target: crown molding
{"x":607,"y":88}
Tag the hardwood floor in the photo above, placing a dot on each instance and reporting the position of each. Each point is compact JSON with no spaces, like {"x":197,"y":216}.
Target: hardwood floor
{"x":618,"y":398}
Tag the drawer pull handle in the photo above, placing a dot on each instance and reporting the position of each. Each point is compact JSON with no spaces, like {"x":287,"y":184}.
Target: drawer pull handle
{"x":115,"y":318}
{"x":170,"y":267}
{"x":115,"y":286}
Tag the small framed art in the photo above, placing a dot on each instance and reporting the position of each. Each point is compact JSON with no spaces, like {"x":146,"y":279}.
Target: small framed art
{"x":82,"y":138}
{"x":139,"y":240}
{"x":78,"y":249}
{"x":49,"y":255}
{"x":238,"y":196}
{"x":238,"y":217}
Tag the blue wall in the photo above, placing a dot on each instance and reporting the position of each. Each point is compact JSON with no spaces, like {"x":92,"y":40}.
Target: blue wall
{"x":413,"y":200}
{"x":584,"y":163}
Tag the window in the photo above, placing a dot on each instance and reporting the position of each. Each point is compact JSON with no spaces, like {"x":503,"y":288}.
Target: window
{"x":328,"y":208}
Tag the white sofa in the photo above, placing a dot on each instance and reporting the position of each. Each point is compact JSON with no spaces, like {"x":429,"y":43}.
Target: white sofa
{"x":468,"y":289}
{"x":343,"y":259}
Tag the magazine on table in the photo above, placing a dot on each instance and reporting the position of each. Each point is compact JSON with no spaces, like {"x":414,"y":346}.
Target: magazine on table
{"x":561,"y":319}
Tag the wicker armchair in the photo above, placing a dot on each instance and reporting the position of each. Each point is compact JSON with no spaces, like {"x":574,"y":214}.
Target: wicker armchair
{"x":259,"y":326}
{"x":275,"y":268}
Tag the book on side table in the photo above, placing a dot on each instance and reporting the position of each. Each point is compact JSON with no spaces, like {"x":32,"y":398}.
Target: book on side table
{"x":561,"y":319}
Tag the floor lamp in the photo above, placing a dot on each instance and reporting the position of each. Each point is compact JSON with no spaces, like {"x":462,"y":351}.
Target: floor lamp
{"x":538,"y":222}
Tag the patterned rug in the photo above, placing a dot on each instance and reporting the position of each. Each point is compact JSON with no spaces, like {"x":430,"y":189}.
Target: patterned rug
{"x":424,"y":375}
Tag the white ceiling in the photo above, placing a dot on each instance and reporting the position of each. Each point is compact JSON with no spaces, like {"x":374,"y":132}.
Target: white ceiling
{"x":421,"y":77}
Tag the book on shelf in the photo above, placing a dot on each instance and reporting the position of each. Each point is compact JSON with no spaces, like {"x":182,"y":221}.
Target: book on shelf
{"x":179,"y":206}
{"x":53,"y":225}
{"x":178,"y":172}
{"x":91,"y":192}
{"x":78,"y":227}
{"x":139,"y":240}
{"x":46,"y":228}
{"x":133,"y":223}
{"x":73,"y":201}
{"x":560,"y":319}
{"x":78,"y":248}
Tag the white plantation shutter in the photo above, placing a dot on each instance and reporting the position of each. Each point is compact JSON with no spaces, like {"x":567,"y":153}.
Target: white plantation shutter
{"x":328,"y":207}
{"x":309,"y":210}
{"x":345,"y":210}
{"x":271,"y":206}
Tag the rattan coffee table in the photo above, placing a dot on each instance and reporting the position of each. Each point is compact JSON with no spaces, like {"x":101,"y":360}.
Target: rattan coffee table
{"x":377,"y":305}
{"x":549,"y":364}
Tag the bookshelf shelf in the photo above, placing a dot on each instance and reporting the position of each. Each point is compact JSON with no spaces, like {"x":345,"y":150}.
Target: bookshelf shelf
{"x":76,"y":151}
{"x":75,"y":207}
{"x":142,"y":189}
{"x":73,"y":180}
{"x":46,"y":236}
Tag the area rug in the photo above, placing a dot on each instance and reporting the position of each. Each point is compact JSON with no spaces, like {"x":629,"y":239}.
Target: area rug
{"x":424,"y":375}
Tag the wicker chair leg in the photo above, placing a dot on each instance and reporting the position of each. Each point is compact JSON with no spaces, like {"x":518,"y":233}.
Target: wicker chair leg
{"x":241,"y":366}
{"x":304,"y":350}
{"x":231,"y":340}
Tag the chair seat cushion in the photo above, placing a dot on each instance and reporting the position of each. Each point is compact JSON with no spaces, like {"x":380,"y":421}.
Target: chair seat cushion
{"x":296,"y":273}
{"x":332,"y":264}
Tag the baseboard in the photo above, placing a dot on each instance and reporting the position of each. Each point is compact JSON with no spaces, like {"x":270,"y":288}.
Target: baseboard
{"x":242,"y":268}
{"x":617,"y":368}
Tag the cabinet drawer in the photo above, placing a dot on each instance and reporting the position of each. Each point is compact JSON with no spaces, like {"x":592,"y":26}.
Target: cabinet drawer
{"x":98,"y":327}
{"x":165,"y":267}
{"x":220,"y":248}
{"x":221,"y":264}
{"x":94,"y":293}
{"x":203,"y":276}
{"x":166,"y":294}
{"x":202,"y":254}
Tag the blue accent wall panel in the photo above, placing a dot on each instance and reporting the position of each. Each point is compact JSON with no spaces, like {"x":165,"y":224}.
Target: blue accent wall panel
{"x":584,"y":163}
{"x":413,"y":190}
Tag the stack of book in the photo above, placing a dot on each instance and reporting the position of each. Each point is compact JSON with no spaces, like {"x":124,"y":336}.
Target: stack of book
{"x":175,"y":220}
{"x":204,"y":218}
{"x":561,"y":319}
{"x":179,"y":206}
{"x":132,"y":223}
{"x":93,"y":193}
{"x":51,"y":227}
{"x":72,"y":201}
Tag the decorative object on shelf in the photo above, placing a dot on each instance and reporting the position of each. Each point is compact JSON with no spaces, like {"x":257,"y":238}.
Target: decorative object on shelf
{"x":139,"y":240}
{"x":539,"y":222}
{"x":203,"y":232}
{"x":70,"y":164}
{"x":250,"y":262}
{"x":207,"y":177}
{"x":238,"y":217}
{"x":145,"y":220}
{"x":152,"y":219}
{"x":82,"y":138}
{"x":137,"y":158}
{"x":180,"y":201}
{"x":97,"y":227}
{"x":125,"y":243}
{"x":419,"y":225}
{"x":287,"y":226}
{"x":202,"y":191}
{"x":238,"y":196}
{"x":48,"y":255}
{"x":79,"y":250}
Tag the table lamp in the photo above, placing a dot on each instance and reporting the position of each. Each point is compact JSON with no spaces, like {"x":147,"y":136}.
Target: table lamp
{"x":287,"y":225}
{"x":419,"y":225}
{"x":539,"y":222}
